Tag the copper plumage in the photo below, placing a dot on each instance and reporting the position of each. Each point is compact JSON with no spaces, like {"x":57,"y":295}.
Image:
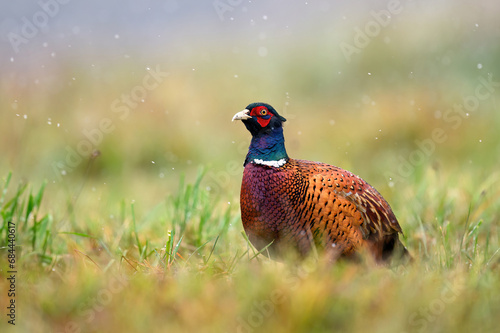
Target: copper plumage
{"x":297,"y":204}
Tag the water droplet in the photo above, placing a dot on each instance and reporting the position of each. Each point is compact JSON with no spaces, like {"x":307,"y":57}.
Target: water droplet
{"x":479,"y":66}
{"x":153,"y":162}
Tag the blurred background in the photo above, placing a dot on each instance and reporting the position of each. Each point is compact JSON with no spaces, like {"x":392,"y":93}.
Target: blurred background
{"x":117,"y":105}
{"x":117,"y":99}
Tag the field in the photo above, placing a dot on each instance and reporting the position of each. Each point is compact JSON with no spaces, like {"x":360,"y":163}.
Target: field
{"x":120,"y":175}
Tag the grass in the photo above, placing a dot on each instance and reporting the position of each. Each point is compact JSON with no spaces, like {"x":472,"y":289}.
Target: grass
{"x":146,"y":234}
{"x":124,"y":244}
{"x":185,"y":266}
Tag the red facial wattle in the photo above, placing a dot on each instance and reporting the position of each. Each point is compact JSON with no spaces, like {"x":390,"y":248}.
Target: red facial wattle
{"x":262,"y":114}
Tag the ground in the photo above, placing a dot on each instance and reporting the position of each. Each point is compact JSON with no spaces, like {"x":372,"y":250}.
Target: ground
{"x":121,"y":175}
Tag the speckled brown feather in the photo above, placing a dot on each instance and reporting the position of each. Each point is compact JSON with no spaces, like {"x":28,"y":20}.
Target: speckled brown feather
{"x":304,"y":203}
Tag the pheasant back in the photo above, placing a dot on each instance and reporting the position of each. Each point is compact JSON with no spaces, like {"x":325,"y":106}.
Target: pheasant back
{"x":304,"y":204}
{"x":288,"y":203}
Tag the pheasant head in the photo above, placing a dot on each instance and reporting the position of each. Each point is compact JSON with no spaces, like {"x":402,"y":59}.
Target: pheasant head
{"x":266,"y":126}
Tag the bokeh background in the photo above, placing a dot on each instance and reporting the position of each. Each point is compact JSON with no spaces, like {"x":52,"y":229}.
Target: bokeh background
{"x":362,"y":111}
{"x":114,"y":102}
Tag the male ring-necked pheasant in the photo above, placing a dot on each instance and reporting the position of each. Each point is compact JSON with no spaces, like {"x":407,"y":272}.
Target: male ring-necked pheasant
{"x":298,"y":204}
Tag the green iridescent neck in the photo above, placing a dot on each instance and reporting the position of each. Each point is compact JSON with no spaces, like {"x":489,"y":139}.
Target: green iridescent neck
{"x":268,"y":149}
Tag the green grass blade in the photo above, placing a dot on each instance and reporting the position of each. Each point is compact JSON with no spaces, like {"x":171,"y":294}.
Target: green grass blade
{"x":134,"y":224}
{"x":79,"y":234}
{"x":5,"y":187}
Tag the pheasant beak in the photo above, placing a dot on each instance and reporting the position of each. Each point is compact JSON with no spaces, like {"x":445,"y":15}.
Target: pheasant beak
{"x":242,"y":115}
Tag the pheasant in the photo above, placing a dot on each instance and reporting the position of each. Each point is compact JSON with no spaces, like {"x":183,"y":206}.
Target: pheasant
{"x":297,"y":204}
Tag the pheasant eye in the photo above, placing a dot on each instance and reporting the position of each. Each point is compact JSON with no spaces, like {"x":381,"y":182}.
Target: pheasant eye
{"x":263,"y":112}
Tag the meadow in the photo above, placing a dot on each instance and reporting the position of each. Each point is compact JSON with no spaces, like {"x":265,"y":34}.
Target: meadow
{"x":126,"y":209}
